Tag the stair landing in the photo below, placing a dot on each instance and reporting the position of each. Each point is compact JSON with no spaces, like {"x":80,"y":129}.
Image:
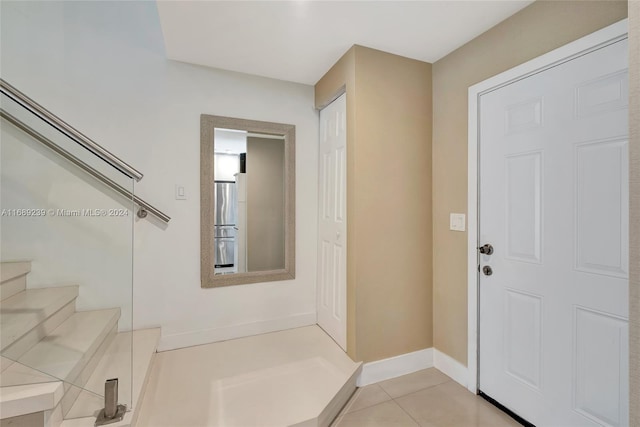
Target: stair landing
{"x":297,"y":377}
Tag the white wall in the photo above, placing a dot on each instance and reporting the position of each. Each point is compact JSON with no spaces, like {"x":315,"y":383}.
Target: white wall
{"x":101,"y":67}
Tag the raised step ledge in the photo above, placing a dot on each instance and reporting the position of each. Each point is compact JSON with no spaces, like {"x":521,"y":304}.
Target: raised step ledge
{"x":30,"y":398}
{"x":295,"y":381}
{"x":28,"y":309}
{"x":115,"y":364}
{"x":37,"y":391}
{"x":11,"y":270}
{"x":331,"y":411}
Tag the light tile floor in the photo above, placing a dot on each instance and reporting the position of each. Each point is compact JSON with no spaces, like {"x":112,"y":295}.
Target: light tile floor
{"x":425,"y":398}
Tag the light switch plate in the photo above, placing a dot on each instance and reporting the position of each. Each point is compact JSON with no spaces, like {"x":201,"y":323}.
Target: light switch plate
{"x":180,"y":192}
{"x":457,"y":222}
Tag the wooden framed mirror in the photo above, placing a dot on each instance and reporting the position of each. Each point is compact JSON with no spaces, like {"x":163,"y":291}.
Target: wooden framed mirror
{"x":247,"y":201}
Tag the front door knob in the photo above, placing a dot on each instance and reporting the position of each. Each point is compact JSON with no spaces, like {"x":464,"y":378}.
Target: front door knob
{"x":486,"y":249}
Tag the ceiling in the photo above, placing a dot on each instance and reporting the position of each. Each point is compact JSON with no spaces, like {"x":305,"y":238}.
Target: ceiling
{"x":300,"y":40}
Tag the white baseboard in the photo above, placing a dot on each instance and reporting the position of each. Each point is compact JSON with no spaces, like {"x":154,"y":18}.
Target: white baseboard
{"x":396,"y":366}
{"x":450,"y":367}
{"x":206,"y":336}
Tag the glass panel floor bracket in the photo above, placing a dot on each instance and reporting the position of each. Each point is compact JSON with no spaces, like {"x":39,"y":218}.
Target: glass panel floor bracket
{"x":112,"y":412}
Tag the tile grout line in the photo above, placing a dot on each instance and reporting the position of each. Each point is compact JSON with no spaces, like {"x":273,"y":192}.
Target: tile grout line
{"x":366,"y":407}
{"x":392,"y":399}
{"x":409,"y":394}
{"x":409,"y":415}
{"x":406,"y":412}
{"x":422,"y":389}
{"x":384,"y":391}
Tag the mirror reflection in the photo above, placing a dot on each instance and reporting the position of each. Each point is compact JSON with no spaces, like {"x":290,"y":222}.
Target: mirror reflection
{"x":249,"y":201}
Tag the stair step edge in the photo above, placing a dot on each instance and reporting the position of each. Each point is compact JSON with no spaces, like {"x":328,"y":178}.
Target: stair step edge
{"x":13,"y":287}
{"x":26,"y":399}
{"x":62,"y":338}
{"x":13,"y":269}
{"x":43,"y":394}
{"x":43,"y":303}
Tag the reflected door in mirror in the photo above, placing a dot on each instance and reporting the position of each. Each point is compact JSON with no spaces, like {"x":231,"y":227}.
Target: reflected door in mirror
{"x":265,"y":204}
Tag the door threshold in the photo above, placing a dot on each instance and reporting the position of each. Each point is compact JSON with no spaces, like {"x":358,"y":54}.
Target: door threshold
{"x":506,"y":410}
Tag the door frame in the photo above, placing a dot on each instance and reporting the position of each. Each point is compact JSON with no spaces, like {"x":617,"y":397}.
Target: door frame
{"x":582,"y":46}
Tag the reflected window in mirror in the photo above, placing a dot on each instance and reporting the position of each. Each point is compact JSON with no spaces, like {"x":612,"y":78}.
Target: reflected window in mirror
{"x":247,"y":201}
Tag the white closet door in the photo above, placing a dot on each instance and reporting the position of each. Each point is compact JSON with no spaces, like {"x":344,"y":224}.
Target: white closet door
{"x":332,"y":246}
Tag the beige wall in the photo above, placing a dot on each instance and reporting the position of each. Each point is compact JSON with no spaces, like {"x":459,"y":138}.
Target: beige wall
{"x":537,"y":29}
{"x":389,"y":201}
{"x":634,"y":147}
{"x":265,"y":204}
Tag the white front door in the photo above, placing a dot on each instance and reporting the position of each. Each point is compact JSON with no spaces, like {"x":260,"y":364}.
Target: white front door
{"x":554,"y":206}
{"x":332,"y":223}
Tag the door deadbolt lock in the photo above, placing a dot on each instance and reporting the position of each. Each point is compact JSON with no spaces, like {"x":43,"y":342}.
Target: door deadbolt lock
{"x":487,"y":270}
{"x":486,"y":249}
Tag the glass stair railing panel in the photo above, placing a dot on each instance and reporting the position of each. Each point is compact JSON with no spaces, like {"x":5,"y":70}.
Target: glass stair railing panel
{"x":71,"y":215}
